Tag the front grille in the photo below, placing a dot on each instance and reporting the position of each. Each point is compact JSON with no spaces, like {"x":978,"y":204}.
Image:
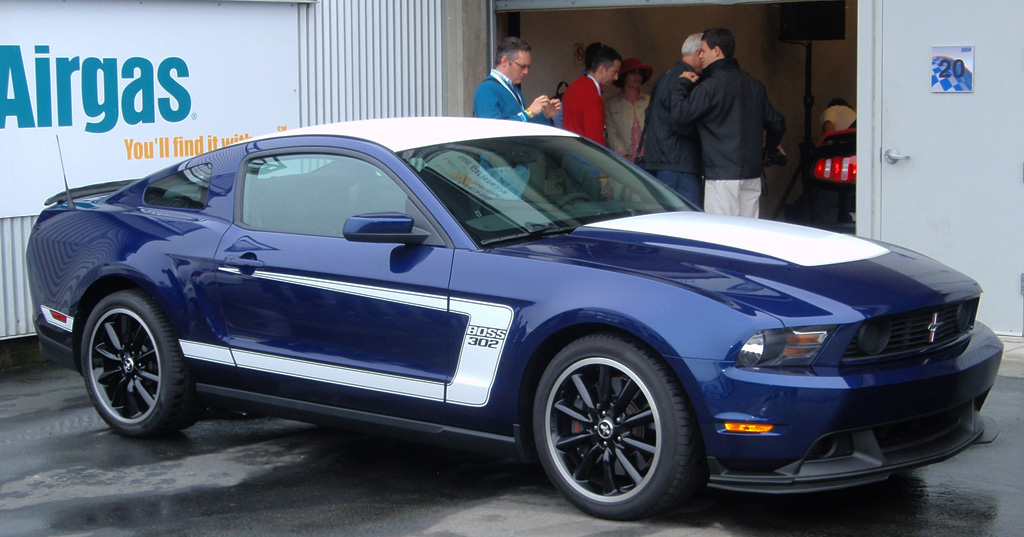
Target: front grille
{"x":916,"y":431}
{"x":894,"y":336}
{"x":900,"y":441}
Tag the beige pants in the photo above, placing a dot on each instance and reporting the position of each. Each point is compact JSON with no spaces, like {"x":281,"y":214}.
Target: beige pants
{"x":736,"y":197}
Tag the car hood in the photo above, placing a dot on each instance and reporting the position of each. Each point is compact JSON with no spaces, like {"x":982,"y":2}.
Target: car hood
{"x":786,"y":270}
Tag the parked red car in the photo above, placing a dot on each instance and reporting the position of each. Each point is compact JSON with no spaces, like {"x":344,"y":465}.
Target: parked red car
{"x":830,"y":186}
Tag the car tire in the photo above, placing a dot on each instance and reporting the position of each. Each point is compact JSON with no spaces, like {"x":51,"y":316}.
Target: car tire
{"x":134,"y":369}
{"x":614,"y":429}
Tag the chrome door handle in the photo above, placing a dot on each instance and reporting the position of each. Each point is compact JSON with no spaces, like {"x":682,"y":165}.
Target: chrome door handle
{"x":892,"y":156}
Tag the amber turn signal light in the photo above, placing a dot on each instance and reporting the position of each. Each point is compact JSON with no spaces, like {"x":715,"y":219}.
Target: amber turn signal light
{"x":736,"y":427}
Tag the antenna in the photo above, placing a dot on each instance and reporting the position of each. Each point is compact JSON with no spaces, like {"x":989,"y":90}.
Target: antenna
{"x":67,"y":190}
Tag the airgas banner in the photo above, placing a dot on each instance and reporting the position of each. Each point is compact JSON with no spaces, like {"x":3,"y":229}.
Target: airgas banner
{"x":132,"y":87}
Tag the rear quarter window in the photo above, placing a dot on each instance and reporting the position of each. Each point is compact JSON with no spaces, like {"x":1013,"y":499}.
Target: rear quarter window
{"x":187,"y":189}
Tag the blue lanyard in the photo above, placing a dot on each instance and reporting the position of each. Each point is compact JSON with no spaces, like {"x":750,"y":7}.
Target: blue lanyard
{"x":501,"y":78}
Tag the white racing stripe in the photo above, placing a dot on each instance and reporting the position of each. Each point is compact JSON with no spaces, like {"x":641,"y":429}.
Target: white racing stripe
{"x":207,"y":353}
{"x":340,"y":375}
{"x":482,"y":347}
{"x":434,"y":302}
{"x":796,"y":244}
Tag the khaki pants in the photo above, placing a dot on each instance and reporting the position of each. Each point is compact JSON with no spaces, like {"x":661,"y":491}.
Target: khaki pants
{"x":736,"y":197}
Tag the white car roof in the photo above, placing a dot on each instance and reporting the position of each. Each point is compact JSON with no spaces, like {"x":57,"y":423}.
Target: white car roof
{"x":399,"y":134}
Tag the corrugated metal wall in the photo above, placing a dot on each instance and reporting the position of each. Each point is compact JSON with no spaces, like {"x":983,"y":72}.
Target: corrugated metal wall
{"x":362,"y":59}
{"x":15,"y":302}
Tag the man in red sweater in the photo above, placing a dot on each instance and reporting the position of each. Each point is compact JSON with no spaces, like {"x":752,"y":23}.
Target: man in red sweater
{"x":582,"y":105}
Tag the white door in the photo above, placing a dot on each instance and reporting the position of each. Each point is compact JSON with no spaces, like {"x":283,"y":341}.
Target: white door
{"x":959,"y":198}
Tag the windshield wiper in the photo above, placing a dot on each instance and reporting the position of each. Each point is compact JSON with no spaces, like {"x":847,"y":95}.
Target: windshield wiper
{"x":535,"y":231}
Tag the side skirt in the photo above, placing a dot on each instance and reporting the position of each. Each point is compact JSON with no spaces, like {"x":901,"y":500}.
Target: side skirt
{"x":404,"y":429}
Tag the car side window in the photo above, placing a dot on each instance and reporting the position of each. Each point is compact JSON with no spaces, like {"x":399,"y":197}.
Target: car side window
{"x":187,"y":189}
{"x":314,"y":194}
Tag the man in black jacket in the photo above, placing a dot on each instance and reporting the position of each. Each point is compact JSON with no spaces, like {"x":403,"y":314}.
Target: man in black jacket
{"x":732,"y":112}
{"x":672,"y":151}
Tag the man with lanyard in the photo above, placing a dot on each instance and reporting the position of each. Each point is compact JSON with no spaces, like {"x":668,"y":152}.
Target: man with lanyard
{"x":498,"y":95}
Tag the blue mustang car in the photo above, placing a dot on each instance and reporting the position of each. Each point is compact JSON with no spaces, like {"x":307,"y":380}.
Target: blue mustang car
{"x":515,"y":289}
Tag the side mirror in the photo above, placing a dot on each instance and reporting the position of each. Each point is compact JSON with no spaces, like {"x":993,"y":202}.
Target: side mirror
{"x":383,"y":227}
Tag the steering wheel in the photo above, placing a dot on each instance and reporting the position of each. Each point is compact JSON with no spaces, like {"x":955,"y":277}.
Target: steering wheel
{"x":573,"y":197}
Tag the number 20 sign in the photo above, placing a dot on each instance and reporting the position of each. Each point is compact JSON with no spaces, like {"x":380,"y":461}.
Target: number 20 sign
{"x":952,"y":69}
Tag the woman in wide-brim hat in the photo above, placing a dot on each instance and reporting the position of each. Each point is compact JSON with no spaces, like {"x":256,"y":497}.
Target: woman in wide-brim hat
{"x":624,"y":111}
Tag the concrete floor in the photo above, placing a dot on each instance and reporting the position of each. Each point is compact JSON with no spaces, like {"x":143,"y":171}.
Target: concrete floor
{"x":62,"y":472}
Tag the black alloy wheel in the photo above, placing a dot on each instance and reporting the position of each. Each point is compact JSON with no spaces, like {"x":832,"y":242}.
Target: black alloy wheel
{"x":614,"y":430}
{"x":134,"y":369}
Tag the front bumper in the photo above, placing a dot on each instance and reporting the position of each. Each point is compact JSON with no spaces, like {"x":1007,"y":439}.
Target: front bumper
{"x":865,"y":456}
{"x":840,"y":431}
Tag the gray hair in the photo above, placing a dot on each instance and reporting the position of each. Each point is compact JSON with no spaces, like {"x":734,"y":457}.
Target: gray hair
{"x":510,"y":47}
{"x":692,"y":44}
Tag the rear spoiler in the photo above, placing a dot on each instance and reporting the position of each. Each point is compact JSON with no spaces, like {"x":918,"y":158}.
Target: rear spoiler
{"x":847,"y":136}
{"x":90,"y":190}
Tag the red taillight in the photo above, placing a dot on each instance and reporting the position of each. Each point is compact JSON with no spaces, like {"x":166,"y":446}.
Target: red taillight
{"x":836,"y":169}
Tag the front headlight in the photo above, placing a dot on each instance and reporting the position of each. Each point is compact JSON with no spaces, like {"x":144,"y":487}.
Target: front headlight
{"x":783,"y":347}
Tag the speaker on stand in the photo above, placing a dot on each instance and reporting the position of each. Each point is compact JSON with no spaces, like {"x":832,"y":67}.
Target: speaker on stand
{"x":802,"y":23}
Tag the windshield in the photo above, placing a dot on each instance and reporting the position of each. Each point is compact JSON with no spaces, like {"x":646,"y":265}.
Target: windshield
{"x":511,"y":189}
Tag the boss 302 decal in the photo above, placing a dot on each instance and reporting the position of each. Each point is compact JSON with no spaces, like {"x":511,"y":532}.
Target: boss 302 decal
{"x":482,"y":345}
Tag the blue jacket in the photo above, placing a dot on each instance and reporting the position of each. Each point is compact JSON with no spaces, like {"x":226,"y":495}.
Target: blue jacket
{"x":493,"y":100}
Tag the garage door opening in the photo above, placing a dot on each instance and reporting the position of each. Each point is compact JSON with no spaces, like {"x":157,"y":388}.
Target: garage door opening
{"x":655,"y":33}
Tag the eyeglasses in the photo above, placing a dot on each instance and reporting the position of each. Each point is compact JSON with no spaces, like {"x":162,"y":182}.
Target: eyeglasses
{"x":521,"y":66}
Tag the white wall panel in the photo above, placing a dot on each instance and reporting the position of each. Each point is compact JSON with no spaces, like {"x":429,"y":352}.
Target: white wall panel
{"x":15,"y":302}
{"x":362,"y":59}
{"x":228,"y":70}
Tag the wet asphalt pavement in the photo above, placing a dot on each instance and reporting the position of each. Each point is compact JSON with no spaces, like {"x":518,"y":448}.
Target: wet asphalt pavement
{"x":62,"y":472}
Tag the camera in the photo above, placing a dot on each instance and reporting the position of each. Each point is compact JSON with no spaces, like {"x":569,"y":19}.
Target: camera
{"x":771,"y":157}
